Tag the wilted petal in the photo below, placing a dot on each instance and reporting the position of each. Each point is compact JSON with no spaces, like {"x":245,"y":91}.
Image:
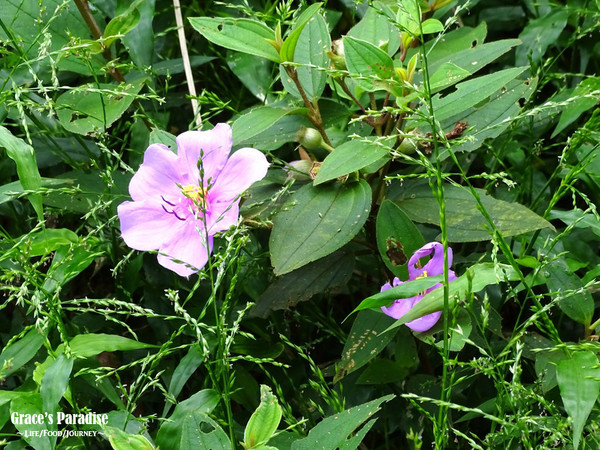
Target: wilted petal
{"x":245,"y":167}
{"x":435,"y":266}
{"x":186,"y":245}
{"x":214,"y":145}
{"x":144,"y":224}
{"x":158,"y":175}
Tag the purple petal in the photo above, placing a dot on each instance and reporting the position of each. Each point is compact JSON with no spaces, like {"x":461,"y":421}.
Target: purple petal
{"x":144,"y":224}
{"x":186,"y":245}
{"x":400,"y":307}
{"x":245,"y":167}
{"x":435,"y":266}
{"x":424,"y":323}
{"x":158,"y":175}
{"x":215,"y":146}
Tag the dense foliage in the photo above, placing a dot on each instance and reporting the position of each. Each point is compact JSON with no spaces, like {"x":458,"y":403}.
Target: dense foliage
{"x":394,"y":130}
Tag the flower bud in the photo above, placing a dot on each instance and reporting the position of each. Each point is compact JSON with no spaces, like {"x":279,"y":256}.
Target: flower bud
{"x":336,"y":54}
{"x":309,"y":138}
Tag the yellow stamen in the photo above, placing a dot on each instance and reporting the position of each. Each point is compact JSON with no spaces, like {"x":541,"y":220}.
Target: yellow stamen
{"x":195,"y":193}
{"x":423,"y":275}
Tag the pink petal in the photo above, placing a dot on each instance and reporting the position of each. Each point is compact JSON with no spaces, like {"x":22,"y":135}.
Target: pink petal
{"x":158,"y":175}
{"x":145,"y":225}
{"x":186,"y":245}
{"x":222,"y":215}
{"x":214,"y":145}
{"x":245,"y":167}
{"x":399,"y":308}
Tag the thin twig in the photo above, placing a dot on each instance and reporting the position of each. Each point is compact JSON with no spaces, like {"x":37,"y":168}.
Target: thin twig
{"x":186,"y":64}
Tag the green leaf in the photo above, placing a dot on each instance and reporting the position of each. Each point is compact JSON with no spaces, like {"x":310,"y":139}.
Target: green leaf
{"x":19,"y":353}
{"x":30,"y":404}
{"x":120,"y":440}
{"x":431,"y":26}
{"x":584,"y":97}
{"x":490,"y":119}
{"x":332,"y":432}
{"x":55,"y":382}
{"x":463,"y":38}
{"x":409,"y":17}
{"x":264,"y":421}
{"x":94,"y":107}
{"x":24,"y":157}
{"x":121,"y":25}
{"x":365,"y":341}
{"x":377,"y":29}
{"x":539,"y":34}
{"x":242,"y":35}
{"x":254,"y":72}
{"x":350,"y":157}
{"x":464,"y":220}
{"x":185,"y":369}
{"x":471,"y":92}
{"x":397,"y":238}
{"x":576,"y":302}
{"x":189,"y":427}
{"x":405,"y":290}
{"x":48,"y":240}
{"x":311,"y":54}
{"x":289,"y":45}
{"x":258,"y":120}
{"x":473,"y":280}
{"x":383,"y":371}
{"x":10,"y":191}
{"x":301,"y":284}
{"x":579,"y":388}
{"x":369,"y":66}
{"x":68,"y":262}
{"x":92,"y":344}
{"x":316,"y":222}
{"x":281,"y":132}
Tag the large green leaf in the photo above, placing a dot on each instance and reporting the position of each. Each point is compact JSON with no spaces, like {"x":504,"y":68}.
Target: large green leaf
{"x":469,"y":93}
{"x":350,"y":157}
{"x":369,"y":66}
{"x":189,"y":427}
{"x":289,"y":45}
{"x":258,"y":120}
{"x":377,"y":29}
{"x":94,"y":107}
{"x":332,"y":432}
{"x":20,"y":352}
{"x":311,"y":54}
{"x":397,"y":238}
{"x":579,"y":384}
{"x":301,"y":284}
{"x":491,"y":118}
{"x":120,"y":440}
{"x":30,"y":404}
{"x":55,"y":382}
{"x":473,"y":280}
{"x":24,"y":157}
{"x":584,"y":97}
{"x":463,"y":218}
{"x":365,"y":341}
{"x":91,"y":344}
{"x":47,"y":240}
{"x":317,"y":221}
{"x":242,"y":35}
{"x":539,"y":34}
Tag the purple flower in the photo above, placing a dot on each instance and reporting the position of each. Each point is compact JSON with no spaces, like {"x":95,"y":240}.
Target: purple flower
{"x":435,"y":266}
{"x":180,"y":201}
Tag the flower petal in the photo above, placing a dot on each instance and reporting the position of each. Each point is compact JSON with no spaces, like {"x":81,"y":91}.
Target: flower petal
{"x":222,"y":215}
{"x":435,"y":266}
{"x":214,"y":145}
{"x":186,"y":245}
{"x":158,"y":175}
{"x":144,"y":224}
{"x":245,"y":167}
{"x":399,"y":307}
{"x":424,"y":323}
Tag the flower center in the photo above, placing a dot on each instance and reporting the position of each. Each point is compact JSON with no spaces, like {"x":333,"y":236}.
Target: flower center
{"x":196,"y":194}
{"x":423,"y":275}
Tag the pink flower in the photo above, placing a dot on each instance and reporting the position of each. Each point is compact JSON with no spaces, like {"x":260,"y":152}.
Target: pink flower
{"x":435,"y":266}
{"x":180,"y":201}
